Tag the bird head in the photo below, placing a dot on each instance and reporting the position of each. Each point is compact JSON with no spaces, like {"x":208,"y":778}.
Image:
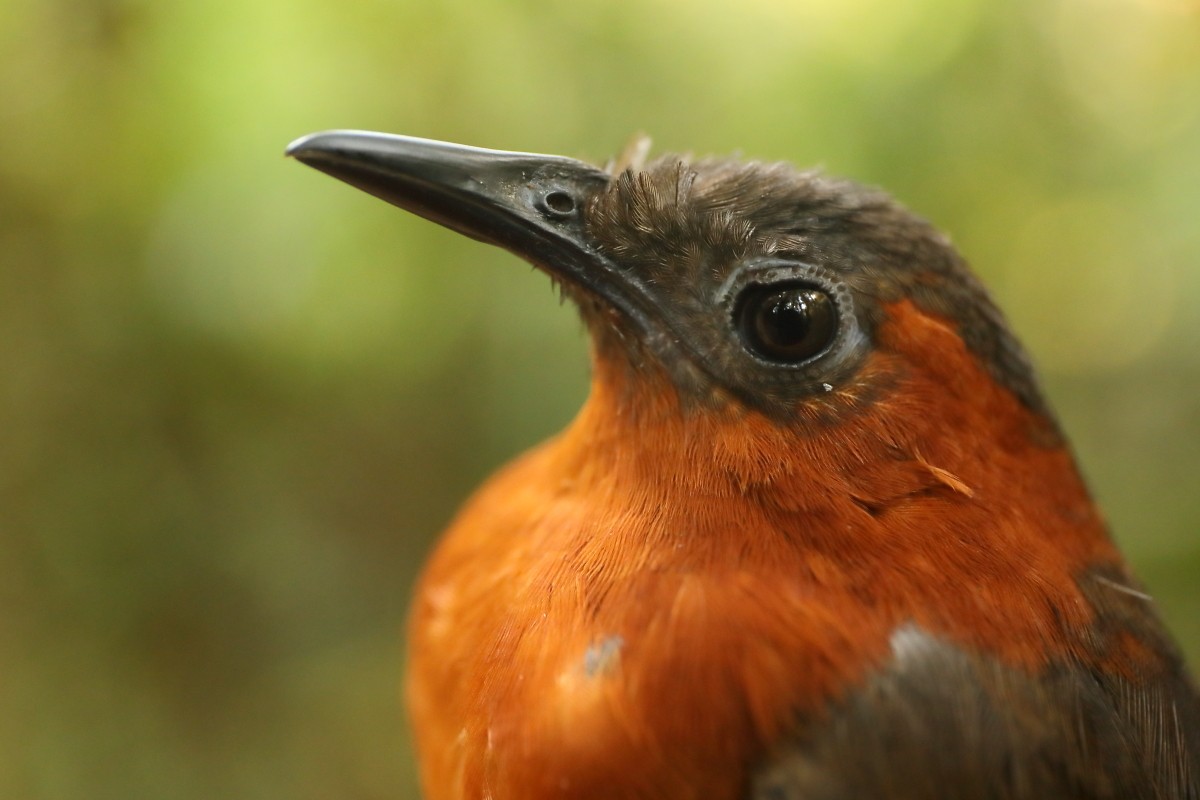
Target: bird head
{"x":749,"y":285}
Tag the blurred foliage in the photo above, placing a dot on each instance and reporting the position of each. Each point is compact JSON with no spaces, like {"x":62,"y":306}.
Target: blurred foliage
{"x":238,"y":399}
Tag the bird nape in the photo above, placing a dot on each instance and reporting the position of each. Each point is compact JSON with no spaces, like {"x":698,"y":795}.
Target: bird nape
{"x":815,"y":534}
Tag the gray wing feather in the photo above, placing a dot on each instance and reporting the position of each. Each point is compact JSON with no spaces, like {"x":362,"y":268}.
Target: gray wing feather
{"x":937,"y":723}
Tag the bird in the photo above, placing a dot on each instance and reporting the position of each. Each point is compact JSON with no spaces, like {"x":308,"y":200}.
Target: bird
{"x":815,"y":533}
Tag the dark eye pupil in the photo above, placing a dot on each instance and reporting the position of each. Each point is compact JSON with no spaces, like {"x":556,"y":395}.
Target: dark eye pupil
{"x":789,"y":324}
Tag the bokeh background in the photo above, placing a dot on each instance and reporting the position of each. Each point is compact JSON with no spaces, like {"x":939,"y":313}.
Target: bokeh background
{"x":238,"y":399}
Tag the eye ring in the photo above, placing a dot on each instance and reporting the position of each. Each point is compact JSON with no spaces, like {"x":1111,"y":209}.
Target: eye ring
{"x":789,"y":323}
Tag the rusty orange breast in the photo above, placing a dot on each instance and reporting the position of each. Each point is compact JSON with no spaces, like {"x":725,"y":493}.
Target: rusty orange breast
{"x":641,"y":606}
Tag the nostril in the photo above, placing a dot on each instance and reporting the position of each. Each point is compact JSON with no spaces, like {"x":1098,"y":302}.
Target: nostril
{"x":559,"y":203}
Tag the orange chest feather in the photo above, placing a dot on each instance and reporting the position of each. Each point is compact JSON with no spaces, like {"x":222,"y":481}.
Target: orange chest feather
{"x":640,"y":609}
{"x":564,"y":635}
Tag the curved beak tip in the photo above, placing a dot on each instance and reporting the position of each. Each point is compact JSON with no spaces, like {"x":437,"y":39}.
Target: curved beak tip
{"x":304,"y":145}
{"x":324,"y":143}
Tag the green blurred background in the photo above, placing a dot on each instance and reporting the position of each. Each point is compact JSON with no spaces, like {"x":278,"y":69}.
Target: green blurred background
{"x":238,"y":399}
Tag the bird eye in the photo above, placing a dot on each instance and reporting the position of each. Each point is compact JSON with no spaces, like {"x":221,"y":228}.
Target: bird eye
{"x":558,"y":203}
{"x":787,"y":323}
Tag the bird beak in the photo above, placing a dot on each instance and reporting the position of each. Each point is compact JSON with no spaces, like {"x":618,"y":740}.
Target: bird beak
{"x":531,"y":205}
